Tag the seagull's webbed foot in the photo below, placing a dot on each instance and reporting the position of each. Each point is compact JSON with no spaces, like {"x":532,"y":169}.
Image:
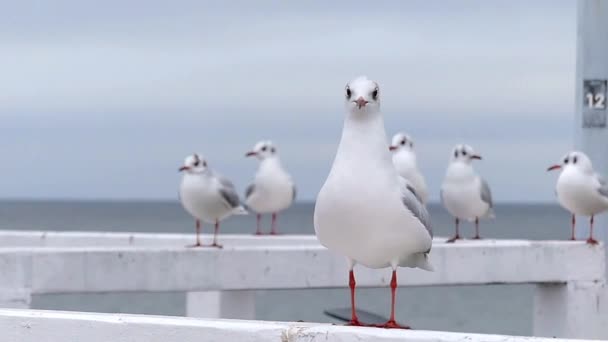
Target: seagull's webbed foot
{"x":392,"y":325}
{"x":592,"y":241}
{"x":453,"y":239}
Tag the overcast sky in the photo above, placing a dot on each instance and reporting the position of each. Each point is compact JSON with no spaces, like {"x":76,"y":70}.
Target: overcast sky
{"x":104,"y":99}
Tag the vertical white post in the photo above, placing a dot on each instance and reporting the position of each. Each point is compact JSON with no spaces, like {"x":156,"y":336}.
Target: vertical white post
{"x":591,"y":125}
{"x":221,"y":304}
{"x":572,"y":310}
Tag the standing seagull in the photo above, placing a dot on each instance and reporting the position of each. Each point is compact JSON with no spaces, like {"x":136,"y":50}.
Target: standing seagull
{"x":580,"y":190}
{"x":364,"y":210}
{"x":464,"y":193}
{"x":207,"y":196}
{"x":272,"y":189}
{"x":404,"y":159}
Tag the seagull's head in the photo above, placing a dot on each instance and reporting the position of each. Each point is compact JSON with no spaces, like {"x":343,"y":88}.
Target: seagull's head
{"x":362,"y":96}
{"x":401,"y":142}
{"x":464,"y":154}
{"x":194,"y":163}
{"x":263,"y":150}
{"x":574,"y":160}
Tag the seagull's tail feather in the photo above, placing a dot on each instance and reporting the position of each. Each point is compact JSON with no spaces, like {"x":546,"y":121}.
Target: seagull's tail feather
{"x":490,"y":214}
{"x":422,"y":261}
{"x":240,"y":210}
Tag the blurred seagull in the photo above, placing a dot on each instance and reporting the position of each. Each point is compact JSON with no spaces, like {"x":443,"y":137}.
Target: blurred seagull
{"x":207,"y":196}
{"x":464,"y":193}
{"x":272,"y":190}
{"x":580,"y":190}
{"x":404,"y":159}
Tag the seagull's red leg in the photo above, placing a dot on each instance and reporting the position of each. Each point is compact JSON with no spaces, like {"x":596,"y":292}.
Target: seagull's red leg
{"x":217,"y":228}
{"x":573,"y":238}
{"x":477,"y":237}
{"x":591,"y":240}
{"x":198,"y":233}
{"x":273,"y":225}
{"x":392,"y":324}
{"x":457,"y":236}
{"x":258,"y":230}
{"x":354,"y":320}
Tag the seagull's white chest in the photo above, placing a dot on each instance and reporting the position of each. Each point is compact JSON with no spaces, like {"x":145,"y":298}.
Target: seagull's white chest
{"x":200,"y":197}
{"x":273,"y":189}
{"x":578,"y":193}
{"x":359,"y":212}
{"x":461,"y":193}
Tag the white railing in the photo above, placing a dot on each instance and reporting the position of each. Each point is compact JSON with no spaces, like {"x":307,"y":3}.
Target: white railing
{"x":569,"y":276}
{"x":54,"y":326}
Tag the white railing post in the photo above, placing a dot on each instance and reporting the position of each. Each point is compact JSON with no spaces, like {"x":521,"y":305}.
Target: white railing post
{"x":591,"y":104}
{"x":572,"y":310}
{"x":221,"y":304}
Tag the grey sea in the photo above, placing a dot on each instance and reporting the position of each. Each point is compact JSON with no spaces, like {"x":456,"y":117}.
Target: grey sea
{"x":489,"y":309}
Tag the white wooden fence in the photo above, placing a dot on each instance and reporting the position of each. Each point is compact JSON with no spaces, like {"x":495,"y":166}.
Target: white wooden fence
{"x":569,"y":276}
{"x":54,"y":326}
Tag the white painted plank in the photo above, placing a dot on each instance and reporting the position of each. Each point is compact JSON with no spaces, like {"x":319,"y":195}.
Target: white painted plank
{"x":10,"y":238}
{"x":54,"y":326}
{"x":106,"y":269}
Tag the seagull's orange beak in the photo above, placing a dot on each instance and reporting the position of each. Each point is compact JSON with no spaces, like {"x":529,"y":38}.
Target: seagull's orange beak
{"x":392,"y":148}
{"x":251,"y":154}
{"x":554,"y":167}
{"x":183,"y":168}
{"x":361,"y":102}
{"x":476,"y":156}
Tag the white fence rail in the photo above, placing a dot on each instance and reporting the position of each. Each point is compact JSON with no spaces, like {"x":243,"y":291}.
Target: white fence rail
{"x":569,"y":276}
{"x":53,"y":326}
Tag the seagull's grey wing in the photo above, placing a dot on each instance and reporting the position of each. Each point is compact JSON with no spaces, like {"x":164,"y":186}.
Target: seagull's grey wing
{"x":486,"y":194}
{"x":228,"y":191}
{"x":603,"y":189}
{"x":293,"y":196}
{"x":415,"y":206}
{"x":250,"y":189}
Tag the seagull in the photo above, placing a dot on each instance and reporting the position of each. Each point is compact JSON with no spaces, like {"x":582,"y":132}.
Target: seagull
{"x":272,"y":190}
{"x":404,"y":159}
{"x":580,"y":190}
{"x":207,"y":196}
{"x":365,"y":210}
{"x":464,"y":193}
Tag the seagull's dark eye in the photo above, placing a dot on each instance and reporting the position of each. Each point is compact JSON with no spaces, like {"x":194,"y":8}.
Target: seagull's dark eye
{"x":455,"y":153}
{"x":264,"y":149}
{"x":375,"y":94}
{"x":403,"y":142}
{"x":574,"y":160}
{"x":348,"y":93}
{"x":196,"y":163}
{"x":566,"y":161}
{"x":464,"y":152}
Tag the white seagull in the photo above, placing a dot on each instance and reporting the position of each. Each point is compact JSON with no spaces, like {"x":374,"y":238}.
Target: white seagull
{"x":207,"y":196}
{"x":364,"y":211}
{"x":404,"y":159}
{"x":464,"y":193}
{"x":580,"y":190}
{"x":272,"y":190}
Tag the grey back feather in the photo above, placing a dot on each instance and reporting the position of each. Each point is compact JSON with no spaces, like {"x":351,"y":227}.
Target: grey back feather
{"x":249,"y":190}
{"x":413,"y":203}
{"x":228,"y":192}
{"x":603,"y":189}
{"x":486,"y":194}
